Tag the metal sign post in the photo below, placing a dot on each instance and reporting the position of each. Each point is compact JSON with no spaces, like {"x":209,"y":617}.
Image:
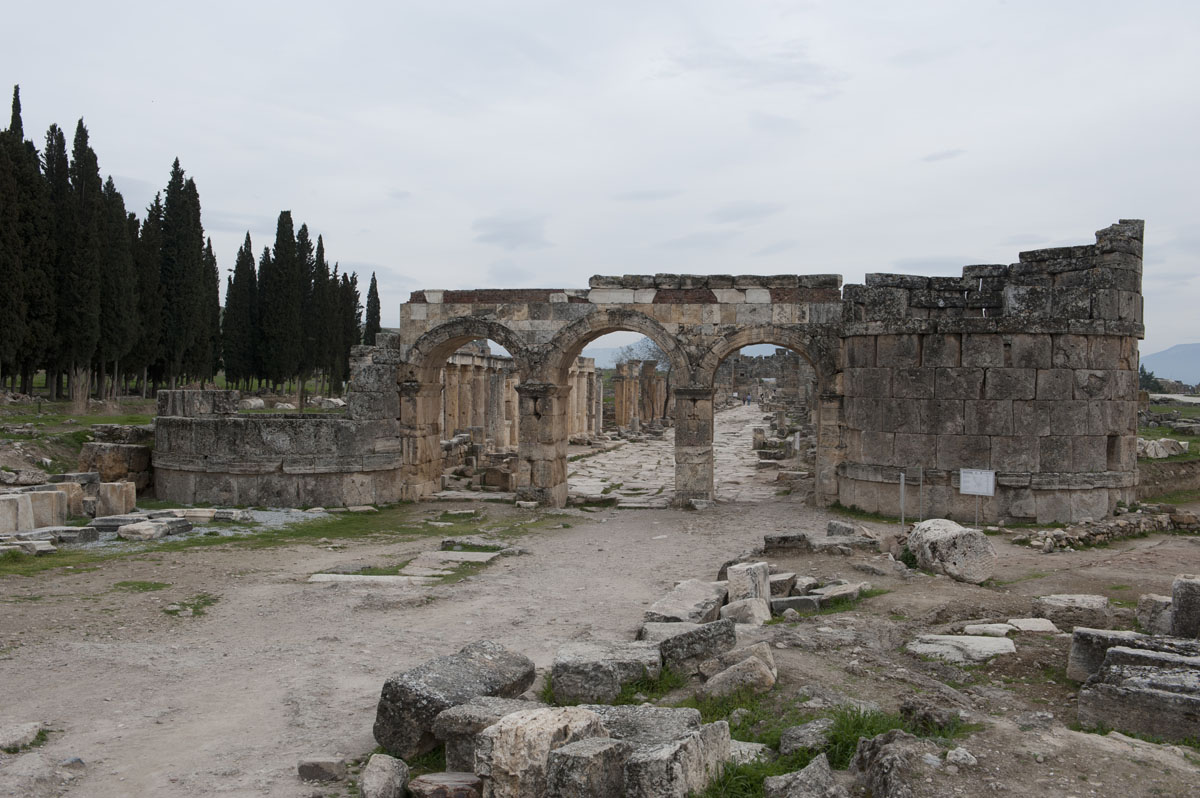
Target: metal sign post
{"x":902,"y":501}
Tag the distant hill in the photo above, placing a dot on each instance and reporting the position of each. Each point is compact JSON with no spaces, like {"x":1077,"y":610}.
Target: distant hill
{"x":1180,"y":362}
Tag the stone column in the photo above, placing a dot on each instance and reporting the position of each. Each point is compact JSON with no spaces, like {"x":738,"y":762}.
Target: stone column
{"x":511,"y":411}
{"x":693,"y":445}
{"x":542,"y":453}
{"x":598,"y":398}
{"x":827,"y":418}
{"x":479,"y":390}
{"x":465,"y":384}
{"x":590,"y":399}
{"x":496,"y":429}
{"x":420,"y":433}
{"x":449,"y":399}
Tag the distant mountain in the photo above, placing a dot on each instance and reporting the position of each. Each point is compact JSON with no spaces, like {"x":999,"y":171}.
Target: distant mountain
{"x":1180,"y":362}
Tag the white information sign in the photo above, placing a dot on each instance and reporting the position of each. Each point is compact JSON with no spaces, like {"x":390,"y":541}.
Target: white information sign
{"x":976,"y":482}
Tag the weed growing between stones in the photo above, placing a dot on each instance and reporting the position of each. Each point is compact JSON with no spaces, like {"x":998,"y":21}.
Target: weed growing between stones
{"x":429,"y":762}
{"x":649,"y":688}
{"x":195,"y":606}
{"x":837,"y":605}
{"x":42,"y":736}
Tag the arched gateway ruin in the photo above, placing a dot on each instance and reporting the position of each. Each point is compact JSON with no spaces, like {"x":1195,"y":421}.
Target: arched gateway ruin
{"x":1028,"y":370}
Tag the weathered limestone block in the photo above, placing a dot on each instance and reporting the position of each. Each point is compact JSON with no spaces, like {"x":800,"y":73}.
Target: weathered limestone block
{"x":16,"y":512}
{"x":749,"y":674}
{"x":321,"y":768}
{"x":1185,"y":606}
{"x":888,"y":764}
{"x":749,"y":580}
{"x":646,"y":725}
{"x":683,"y":653}
{"x":962,"y":649}
{"x":1089,"y":646}
{"x":814,"y":734}
{"x":797,"y":603}
{"x":814,"y":781}
{"x":411,"y":700}
{"x":142,"y":530}
{"x":458,"y":726}
{"x":751,"y":611}
{"x":678,"y":768}
{"x":115,"y":461}
{"x":74,"y":493}
{"x":1145,"y":692}
{"x":782,"y":584}
{"x":1068,"y":611}
{"x":594,"y":672}
{"x":116,"y":498}
{"x":446,"y":785}
{"x":590,"y":768}
{"x":49,"y":508}
{"x":512,"y":756}
{"x":1154,"y":613}
{"x":692,"y":600}
{"x":195,"y":404}
{"x":945,"y":547}
{"x":383,"y":777}
{"x":657,"y":632}
{"x":762,"y":650}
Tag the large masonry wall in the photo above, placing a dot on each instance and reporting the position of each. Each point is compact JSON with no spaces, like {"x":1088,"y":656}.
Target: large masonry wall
{"x":1027,"y":369}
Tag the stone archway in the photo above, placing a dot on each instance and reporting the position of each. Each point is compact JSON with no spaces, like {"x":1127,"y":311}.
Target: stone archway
{"x":821,"y":351}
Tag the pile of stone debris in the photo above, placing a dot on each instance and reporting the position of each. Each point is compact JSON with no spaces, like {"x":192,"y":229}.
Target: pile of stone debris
{"x":1160,"y":449}
{"x":1144,"y":520}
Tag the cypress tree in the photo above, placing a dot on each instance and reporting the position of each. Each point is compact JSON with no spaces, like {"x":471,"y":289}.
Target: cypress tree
{"x":372,"y":323}
{"x":319,"y":320}
{"x":279,"y":310}
{"x":266,"y":269}
{"x":203,"y":357}
{"x":12,"y":306}
{"x":239,"y":325}
{"x":147,"y":351}
{"x":118,"y":287}
{"x":79,"y":282}
{"x":180,"y":269}
{"x":305,"y":264}
{"x":351,"y":318}
{"x":60,"y":240}
{"x":335,"y":331}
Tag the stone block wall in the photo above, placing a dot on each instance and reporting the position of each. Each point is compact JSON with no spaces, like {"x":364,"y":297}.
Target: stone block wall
{"x":1029,"y":370}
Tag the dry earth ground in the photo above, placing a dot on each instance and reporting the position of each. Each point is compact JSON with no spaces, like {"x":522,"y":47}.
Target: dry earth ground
{"x":225,"y":703}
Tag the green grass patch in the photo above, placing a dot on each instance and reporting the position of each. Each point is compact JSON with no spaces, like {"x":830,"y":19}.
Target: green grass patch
{"x":383,"y":570}
{"x":1154,"y":433}
{"x":610,"y":488}
{"x":141,"y":587}
{"x":862,"y":515}
{"x":764,"y":719}
{"x":1026,"y":578}
{"x":1176,"y":496}
{"x":197,"y":604}
{"x":430,"y":762}
{"x":40,"y":739}
{"x":651,"y":688}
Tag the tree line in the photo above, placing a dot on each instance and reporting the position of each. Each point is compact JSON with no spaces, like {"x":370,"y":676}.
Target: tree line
{"x":104,"y":302}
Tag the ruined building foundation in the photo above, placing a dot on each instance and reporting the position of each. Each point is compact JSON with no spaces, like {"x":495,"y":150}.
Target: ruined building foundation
{"x":1027,"y":369}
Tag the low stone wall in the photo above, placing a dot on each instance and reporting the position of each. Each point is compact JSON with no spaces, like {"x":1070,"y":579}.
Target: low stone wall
{"x":285,"y":460}
{"x":1159,"y":478}
{"x":1147,"y":520}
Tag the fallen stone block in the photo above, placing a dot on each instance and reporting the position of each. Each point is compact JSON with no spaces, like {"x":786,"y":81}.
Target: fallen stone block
{"x":109,"y":524}
{"x":656,"y":632}
{"x":692,"y":600}
{"x":804,"y":584}
{"x":49,"y":508}
{"x":930,"y":717}
{"x":797,"y":603}
{"x":66,"y":534}
{"x":814,"y":781}
{"x":787,"y":541}
{"x":16,"y":513}
{"x":590,"y":768}
{"x":748,"y":580}
{"x":143,"y":530}
{"x":1043,"y":625}
{"x":678,"y":768}
{"x":753,"y":612}
{"x":512,"y":755}
{"x":1154,"y":613}
{"x":1185,"y":606}
{"x":1070,"y":610}
{"x":446,"y":785}
{"x":595,"y":672}
{"x":966,"y":649}
{"x":989,"y":629}
{"x":888,"y":764}
{"x":944,"y":547}
{"x":383,"y":777}
{"x":116,"y":498}
{"x":683,"y":653}
{"x":762,"y":650}
{"x":814,"y":735}
{"x":782,"y":584}
{"x":19,"y":735}
{"x":78,"y":477}
{"x":322,"y":768}
{"x":831,"y":594}
{"x":115,"y":462}
{"x":74,"y":493}
{"x":1089,"y":647}
{"x":36,"y":546}
{"x":646,"y":725}
{"x":458,"y":727}
{"x":1145,"y":692}
{"x":751,"y":673}
{"x":743,"y":753}
{"x":411,"y":700}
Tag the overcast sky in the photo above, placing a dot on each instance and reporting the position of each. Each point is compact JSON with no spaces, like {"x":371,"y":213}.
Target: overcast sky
{"x":504,"y":144}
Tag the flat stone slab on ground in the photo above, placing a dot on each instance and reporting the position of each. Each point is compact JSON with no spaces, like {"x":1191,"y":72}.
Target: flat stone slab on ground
{"x":1070,"y":610}
{"x":656,"y":632}
{"x":372,"y":579}
{"x":446,"y":785}
{"x":595,"y":671}
{"x":647,"y":725}
{"x":458,"y":556}
{"x":961,"y":648}
{"x":989,"y":629}
{"x":1044,"y":625}
{"x":692,"y":600}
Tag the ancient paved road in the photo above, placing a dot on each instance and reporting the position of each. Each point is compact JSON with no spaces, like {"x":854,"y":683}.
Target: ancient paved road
{"x":642,"y":473}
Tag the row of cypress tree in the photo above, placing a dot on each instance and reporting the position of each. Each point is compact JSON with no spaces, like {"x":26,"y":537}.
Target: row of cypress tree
{"x":91,"y":293}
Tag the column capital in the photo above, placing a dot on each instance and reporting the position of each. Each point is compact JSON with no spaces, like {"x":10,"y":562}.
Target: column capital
{"x":693,"y":393}
{"x":541,"y":390}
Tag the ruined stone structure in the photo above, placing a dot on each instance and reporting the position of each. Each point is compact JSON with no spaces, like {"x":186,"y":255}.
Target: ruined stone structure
{"x":1028,"y":369}
{"x":784,"y":376}
{"x":639,"y":391}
